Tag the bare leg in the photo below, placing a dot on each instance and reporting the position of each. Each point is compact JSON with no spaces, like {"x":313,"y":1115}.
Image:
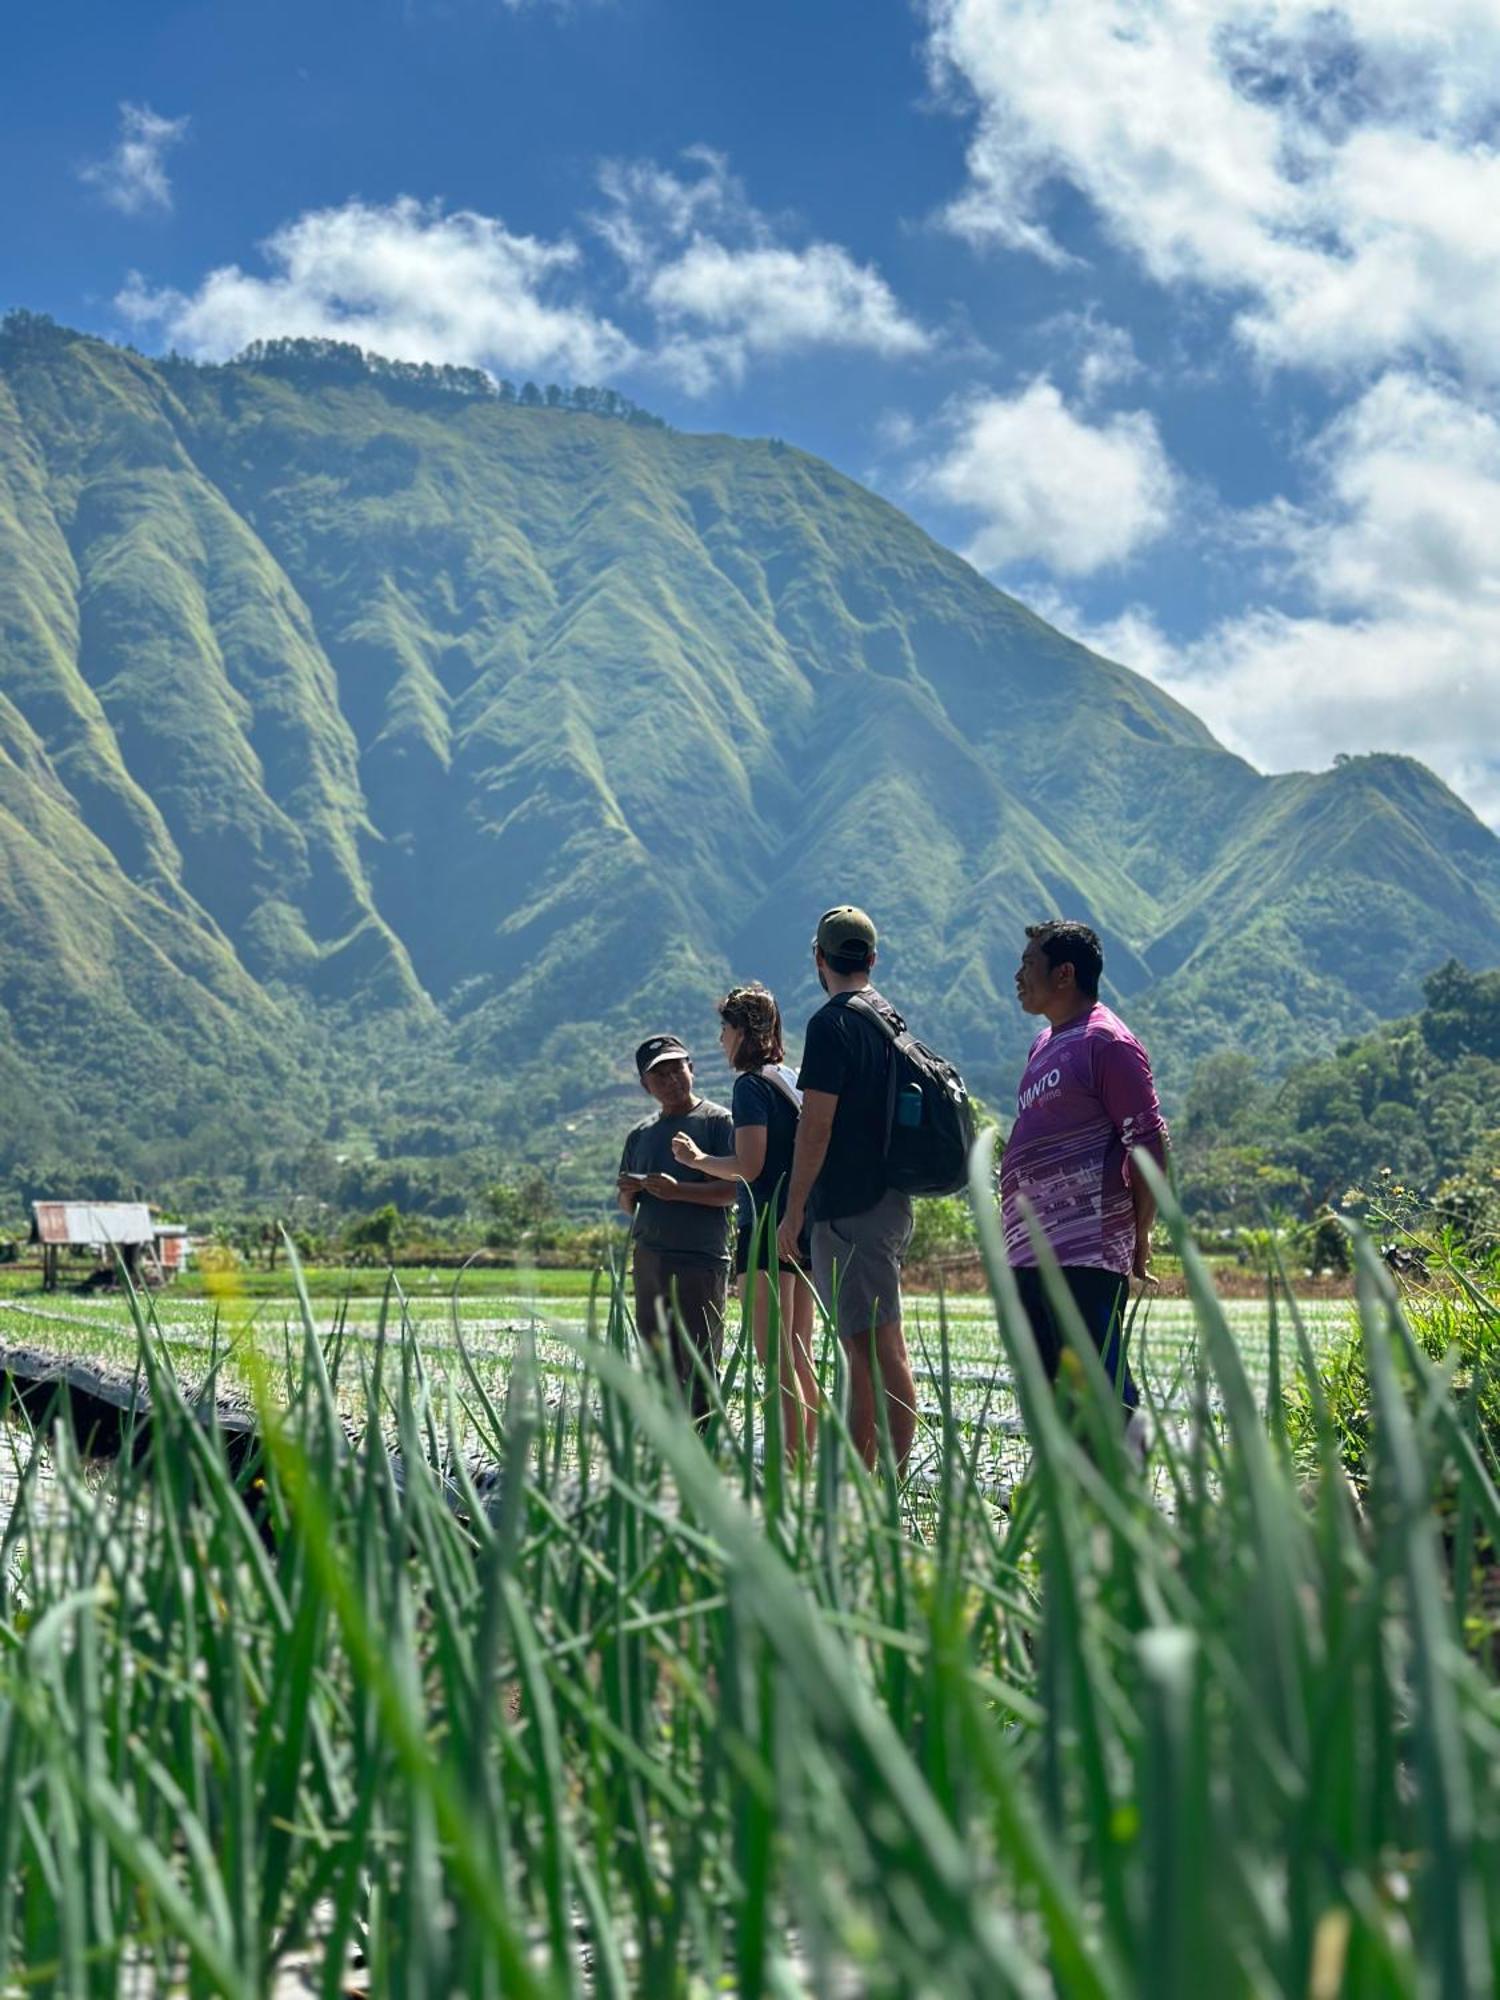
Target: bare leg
{"x":898,"y":1388}
{"x":793,"y":1414}
{"x":797,"y":1314}
{"x":862,"y":1429}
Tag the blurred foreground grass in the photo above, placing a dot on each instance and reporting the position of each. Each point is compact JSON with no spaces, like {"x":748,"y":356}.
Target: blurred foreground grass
{"x":648,"y":1714}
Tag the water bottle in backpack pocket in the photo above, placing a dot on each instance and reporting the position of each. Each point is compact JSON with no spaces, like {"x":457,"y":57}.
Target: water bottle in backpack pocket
{"x":909,"y":1105}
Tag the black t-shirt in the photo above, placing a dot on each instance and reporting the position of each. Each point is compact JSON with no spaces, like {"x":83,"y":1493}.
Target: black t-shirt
{"x":680,"y":1228}
{"x":849,"y":1058}
{"x":757,"y":1102}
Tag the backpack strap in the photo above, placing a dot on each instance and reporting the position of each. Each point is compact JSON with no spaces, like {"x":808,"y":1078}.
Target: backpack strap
{"x":892,"y":1028}
{"x":772,"y":1074}
{"x":890,"y":1025}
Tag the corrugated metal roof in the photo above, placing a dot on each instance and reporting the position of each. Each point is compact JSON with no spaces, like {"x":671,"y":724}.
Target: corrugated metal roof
{"x":91,"y":1222}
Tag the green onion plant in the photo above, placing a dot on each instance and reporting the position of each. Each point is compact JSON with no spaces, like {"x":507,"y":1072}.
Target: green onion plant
{"x":496,"y":1677}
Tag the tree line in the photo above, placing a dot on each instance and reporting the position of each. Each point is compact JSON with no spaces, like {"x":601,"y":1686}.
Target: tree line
{"x":343,"y":360}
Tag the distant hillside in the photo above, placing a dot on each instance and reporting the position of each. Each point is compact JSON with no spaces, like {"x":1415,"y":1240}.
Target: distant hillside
{"x":1408,"y":1115}
{"x":370,"y":743}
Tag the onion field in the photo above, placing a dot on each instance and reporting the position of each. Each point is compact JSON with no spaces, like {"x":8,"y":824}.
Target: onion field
{"x":489,"y":1676}
{"x":233,"y":1343}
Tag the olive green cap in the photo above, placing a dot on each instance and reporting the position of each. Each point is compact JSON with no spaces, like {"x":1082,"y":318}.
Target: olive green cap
{"x":844,"y":932}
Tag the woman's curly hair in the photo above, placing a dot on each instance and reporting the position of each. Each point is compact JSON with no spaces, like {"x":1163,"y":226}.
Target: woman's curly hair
{"x":753,"y":1010}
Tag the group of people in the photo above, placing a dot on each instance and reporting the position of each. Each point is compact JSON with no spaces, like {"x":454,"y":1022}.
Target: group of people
{"x":801,"y":1158}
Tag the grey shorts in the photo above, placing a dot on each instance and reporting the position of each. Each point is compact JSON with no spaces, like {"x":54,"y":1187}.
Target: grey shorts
{"x":856,"y":1265}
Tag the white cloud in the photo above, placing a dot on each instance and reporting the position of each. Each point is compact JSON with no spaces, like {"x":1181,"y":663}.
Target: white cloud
{"x":896,"y":431}
{"x":651,"y":209}
{"x":405,"y":280}
{"x":1331,"y":174}
{"x":735,"y":305}
{"x":1399,"y":646}
{"x":1050,"y":487}
{"x":1413,"y":473}
{"x":1331,"y":169}
{"x":725,"y":289}
{"x":722,"y":289}
{"x":133,"y":178}
{"x":1100,"y":354}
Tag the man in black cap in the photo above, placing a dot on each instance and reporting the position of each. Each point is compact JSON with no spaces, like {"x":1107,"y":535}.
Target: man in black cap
{"x":682,"y":1220}
{"x":860,"y":1227}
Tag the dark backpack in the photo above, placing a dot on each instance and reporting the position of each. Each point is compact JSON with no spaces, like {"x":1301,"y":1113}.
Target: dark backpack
{"x":929,"y":1121}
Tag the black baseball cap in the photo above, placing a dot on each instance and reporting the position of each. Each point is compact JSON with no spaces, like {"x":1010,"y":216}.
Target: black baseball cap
{"x":659,"y":1049}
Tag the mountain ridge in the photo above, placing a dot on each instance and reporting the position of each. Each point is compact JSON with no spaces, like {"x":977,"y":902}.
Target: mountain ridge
{"x":331,"y":697}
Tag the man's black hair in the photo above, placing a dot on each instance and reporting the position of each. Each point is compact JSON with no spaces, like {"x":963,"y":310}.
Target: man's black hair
{"x":1067,"y":943}
{"x":845,"y":962}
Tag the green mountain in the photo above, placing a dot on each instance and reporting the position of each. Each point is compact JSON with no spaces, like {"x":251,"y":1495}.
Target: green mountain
{"x":374,"y":744}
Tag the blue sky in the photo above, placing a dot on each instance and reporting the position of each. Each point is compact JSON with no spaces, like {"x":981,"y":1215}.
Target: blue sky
{"x":1178,"y":317}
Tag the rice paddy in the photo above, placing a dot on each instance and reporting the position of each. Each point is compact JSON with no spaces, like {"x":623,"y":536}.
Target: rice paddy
{"x":635,"y":1711}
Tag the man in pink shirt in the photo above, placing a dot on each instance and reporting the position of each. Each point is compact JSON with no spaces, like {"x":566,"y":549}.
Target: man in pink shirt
{"x":1086,"y":1100}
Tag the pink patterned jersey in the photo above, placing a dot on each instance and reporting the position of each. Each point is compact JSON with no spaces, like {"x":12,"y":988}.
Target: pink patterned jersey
{"x":1086,"y":1098}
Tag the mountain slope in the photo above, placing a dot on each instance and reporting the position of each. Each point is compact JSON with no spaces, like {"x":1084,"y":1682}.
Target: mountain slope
{"x":335,"y":693}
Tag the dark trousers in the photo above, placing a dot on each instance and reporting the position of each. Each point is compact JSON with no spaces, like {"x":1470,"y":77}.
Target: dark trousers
{"x":679,"y":1310}
{"x":1100,"y":1298}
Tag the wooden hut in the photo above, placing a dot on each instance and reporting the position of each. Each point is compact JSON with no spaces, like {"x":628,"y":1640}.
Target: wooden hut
{"x":105,"y":1227}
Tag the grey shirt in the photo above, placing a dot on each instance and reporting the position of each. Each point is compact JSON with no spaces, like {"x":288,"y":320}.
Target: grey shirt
{"x":680,"y":1228}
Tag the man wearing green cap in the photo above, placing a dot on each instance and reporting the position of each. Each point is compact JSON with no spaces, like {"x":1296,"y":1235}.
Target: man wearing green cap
{"x":860,"y":1226}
